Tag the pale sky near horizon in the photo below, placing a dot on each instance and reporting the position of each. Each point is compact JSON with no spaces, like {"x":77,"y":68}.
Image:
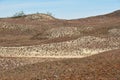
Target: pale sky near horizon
{"x":64,"y":9}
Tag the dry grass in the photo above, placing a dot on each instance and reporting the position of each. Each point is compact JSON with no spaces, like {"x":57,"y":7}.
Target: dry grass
{"x":39,"y":17}
{"x":104,"y":66}
{"x":49,"y":30}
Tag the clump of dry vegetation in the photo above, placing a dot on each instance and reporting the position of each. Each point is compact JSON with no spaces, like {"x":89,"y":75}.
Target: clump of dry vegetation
{"x":40,"y":17}
{"x":15,"y":29}
{"x":83,"y":46}
{"x":60,"y":32}
{"x":115,"y":32}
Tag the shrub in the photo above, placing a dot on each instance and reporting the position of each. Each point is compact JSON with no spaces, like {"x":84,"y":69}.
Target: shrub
{"x":19,"y":14}
{"x":49,"y":13}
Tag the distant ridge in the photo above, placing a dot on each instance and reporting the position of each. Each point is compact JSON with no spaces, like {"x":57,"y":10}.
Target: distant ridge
{"x":114,"y":14}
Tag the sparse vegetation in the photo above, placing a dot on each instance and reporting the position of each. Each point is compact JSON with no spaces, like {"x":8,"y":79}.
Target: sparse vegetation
{"x":49,"y":13}
{"x":19,"y":14}
{"x":41,"y":35}
{"x":105,"y":66}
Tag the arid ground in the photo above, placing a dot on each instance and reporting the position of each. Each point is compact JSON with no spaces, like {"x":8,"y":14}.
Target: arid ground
{"x":41,"y":47}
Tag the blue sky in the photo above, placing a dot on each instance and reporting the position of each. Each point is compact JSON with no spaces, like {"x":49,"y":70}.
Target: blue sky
{"x":65,"y":9}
